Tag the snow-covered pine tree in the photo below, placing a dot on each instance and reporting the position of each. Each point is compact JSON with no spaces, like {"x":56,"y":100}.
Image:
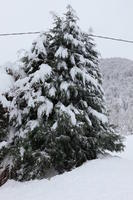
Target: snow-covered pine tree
{"x":58,"y":116}
{"x":81,"y":112}
{"x":29,"y":110}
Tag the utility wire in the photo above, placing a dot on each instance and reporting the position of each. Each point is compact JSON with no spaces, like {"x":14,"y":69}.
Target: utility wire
{"x":111,"y":38}
{"x":17,"y":34}
{"x":92,"y":35}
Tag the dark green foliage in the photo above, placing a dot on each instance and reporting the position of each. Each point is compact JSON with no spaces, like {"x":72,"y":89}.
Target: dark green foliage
{"x":3,"y":122}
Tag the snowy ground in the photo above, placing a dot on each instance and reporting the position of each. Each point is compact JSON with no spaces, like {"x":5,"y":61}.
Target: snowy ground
{"x":102,"y":179}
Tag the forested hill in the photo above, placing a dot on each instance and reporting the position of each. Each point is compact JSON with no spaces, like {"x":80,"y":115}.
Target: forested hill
{"x":118,"y":86}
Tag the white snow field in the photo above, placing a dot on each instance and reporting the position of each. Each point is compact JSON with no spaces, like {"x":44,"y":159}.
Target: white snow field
{"x":109,"y":178}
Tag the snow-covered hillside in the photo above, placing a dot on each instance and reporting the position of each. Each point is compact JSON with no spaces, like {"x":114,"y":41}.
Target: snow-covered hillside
{"x":109,"y":178}
{"x":118,"y":86}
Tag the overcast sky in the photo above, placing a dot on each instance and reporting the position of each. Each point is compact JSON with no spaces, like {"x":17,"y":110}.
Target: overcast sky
{"x":106,"y":17}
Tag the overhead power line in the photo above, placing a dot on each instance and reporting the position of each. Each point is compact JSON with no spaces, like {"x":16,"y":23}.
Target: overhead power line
{"x":111,"y":38}
{"x":17,"y":34}
{"x":92,"y":35}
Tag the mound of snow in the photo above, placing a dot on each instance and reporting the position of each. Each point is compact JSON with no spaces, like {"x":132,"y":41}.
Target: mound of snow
{"x":109,"y":178}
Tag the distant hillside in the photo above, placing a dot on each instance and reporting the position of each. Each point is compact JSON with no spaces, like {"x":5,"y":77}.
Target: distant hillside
{"x":118,"y":86}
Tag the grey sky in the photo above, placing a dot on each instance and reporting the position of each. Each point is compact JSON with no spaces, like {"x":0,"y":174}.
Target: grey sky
{"x":106,"y":17}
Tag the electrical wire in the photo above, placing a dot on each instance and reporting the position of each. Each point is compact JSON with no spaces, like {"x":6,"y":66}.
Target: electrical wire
{"x":92,"y":35}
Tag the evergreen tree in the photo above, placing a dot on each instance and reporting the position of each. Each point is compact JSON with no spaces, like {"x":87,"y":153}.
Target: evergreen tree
{"x":57,"y":112}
